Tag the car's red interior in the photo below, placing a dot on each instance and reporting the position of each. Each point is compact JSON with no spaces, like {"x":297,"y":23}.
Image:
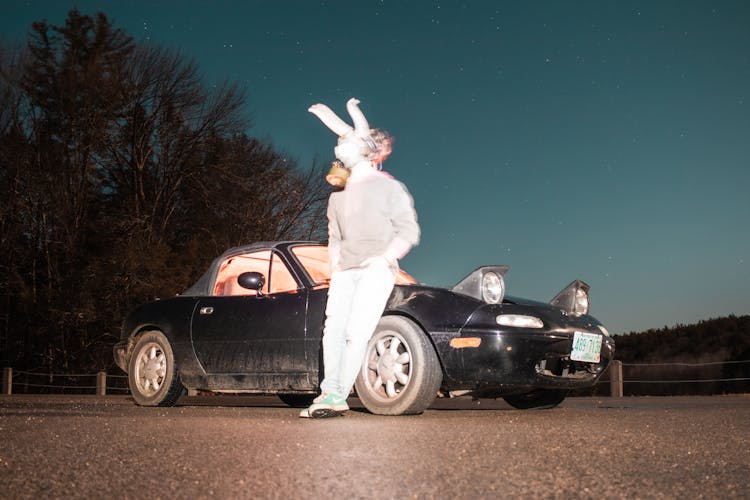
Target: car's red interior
{"x":314,"y":258}
{"x":281,"y":280}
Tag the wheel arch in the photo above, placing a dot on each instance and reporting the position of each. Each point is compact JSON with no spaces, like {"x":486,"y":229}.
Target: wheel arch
{"x":139,"y":331}
{"x":424,"y":331}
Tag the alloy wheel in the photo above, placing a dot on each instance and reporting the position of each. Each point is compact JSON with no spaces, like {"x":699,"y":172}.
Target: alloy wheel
{"x":151,"y":368}
{"x":389,"y":367}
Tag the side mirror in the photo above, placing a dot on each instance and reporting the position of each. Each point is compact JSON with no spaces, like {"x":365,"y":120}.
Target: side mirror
{"x":252,"y":281}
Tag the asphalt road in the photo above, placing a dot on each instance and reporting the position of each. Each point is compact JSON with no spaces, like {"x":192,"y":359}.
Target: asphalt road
{"x":254,"y":447}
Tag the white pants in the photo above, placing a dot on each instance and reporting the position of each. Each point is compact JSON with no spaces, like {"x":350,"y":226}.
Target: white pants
{"x":356,"y":300}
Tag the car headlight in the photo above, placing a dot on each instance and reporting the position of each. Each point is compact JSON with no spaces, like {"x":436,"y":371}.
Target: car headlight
{"x":573,"y":299}
{"x":493,"y":288}
{"x":519,"y":321}
{"x":581,"y":305}
{"x":486,"y":283}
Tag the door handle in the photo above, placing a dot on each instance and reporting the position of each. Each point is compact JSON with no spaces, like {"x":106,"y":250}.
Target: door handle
{"x":206,"y":310}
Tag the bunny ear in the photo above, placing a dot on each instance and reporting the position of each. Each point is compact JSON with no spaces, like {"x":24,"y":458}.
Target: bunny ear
{"x":330,"y":120}
{"x":361,"y":127}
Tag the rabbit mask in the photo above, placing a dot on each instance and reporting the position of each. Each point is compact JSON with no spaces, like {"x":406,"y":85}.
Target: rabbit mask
{"x":356,"y":144}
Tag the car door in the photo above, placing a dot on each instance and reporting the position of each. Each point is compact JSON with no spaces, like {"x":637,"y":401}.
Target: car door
{"x":253,"y":341}
{"x":314,"y":262}
{"x":316,"y":305}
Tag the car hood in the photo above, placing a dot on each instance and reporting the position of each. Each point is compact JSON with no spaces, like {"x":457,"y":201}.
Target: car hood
{"x":512,"y":299}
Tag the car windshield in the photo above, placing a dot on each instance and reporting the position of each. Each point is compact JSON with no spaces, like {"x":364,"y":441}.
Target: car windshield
{"x":314,"y":258}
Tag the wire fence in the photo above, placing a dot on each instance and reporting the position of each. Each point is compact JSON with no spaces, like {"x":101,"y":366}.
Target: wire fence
{"x":716,"y":377}
{"x":677,"y":378}
{"x":25,"y":382}
{"x":689,"y":364}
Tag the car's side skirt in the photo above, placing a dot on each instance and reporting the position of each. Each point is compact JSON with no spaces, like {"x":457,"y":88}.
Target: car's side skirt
{"x":256,"y":382}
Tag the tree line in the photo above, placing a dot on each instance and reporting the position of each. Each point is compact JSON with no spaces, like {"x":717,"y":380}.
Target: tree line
{"x":122,"y":175}
{"x":708,"y":357}
{"x":716,"y":350}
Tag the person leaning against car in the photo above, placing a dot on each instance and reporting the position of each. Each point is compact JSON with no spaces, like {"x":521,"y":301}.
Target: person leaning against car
{"x":371,"y":224}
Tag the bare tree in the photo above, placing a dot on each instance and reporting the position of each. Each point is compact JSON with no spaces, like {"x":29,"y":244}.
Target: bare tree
{"x":247,"y":192}
{"x":13,"y":158}
{"x":123,"y":175}
{"x":58,"y":103}
{"x":153,"y":148}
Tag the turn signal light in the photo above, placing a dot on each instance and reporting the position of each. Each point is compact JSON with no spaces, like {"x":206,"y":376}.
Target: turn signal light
{"x":461,"y":342}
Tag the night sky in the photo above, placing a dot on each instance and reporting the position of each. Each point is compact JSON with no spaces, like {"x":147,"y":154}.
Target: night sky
{"x":605,"y":141}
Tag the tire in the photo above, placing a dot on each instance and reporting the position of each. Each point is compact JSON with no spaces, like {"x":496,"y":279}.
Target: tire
{"x":297,"y":400}
{"x":152,"y":372}
{"x":539,"y":399}
{"x":401,"y":373}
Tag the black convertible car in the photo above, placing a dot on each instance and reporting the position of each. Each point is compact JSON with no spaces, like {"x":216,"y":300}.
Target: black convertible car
{"x":253,"y":324}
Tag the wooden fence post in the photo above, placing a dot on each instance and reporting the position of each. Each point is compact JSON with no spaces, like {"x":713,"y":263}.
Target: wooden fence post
{"x":7,"y":381}
{"x":101,"y":383}
{"x":615,"y":379}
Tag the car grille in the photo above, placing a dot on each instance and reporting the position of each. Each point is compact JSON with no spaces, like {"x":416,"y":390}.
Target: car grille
{"x":563,"y":367}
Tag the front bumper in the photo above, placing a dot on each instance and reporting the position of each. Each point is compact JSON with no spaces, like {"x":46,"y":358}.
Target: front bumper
{"x":516,"y":361}
{"x":121,"y":354}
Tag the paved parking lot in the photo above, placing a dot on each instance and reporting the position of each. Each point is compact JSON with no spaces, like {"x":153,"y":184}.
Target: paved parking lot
{"x":255,"y":447}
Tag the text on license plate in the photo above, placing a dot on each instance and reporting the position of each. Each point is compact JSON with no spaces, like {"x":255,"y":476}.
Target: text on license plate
{"x":586,"y":347}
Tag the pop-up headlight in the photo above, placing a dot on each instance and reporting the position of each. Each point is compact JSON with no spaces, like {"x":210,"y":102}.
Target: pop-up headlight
{"x":573,"y":299}
{"x":493,"y":288}
{"x":486,"y":283}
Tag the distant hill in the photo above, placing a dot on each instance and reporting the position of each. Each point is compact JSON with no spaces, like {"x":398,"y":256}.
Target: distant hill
{"x":713,"y":350}
{"x":720,"y":339}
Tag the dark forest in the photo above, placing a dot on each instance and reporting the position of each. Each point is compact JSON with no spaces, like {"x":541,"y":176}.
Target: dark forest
{"x":123,"y":175}
{"x":669,"y":360}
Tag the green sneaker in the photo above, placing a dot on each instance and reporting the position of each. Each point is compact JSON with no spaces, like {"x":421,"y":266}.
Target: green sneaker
{"x":325,"y":405}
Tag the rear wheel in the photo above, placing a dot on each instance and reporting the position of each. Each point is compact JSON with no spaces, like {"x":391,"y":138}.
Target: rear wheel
{"x":537,"y":399}
{"x":401,"y":373}
{"x":152,"y":373}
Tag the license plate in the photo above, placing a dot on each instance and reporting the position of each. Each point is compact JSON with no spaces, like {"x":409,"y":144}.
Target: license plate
{"x":586,"y":347}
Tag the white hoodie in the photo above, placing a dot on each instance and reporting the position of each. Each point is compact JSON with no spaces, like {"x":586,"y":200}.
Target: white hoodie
{"x":372,"y":217}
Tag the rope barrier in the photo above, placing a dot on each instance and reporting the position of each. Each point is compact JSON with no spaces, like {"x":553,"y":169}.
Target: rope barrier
{"x":688,"y":364}
{"x":58,"y":386}
{"x":126,"y":389}
{"x":36,"y":374}
{"x":682,"y":381}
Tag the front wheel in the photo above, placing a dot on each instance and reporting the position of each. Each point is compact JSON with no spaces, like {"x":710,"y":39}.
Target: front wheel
{"x":152,"y":374}
{"x":401,"y":373}
{"x":538,"y":399}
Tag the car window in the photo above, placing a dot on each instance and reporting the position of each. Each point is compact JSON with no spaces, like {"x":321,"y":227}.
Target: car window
{"x":276,"y":275}
{"x":281,"y":279}
{"x":314,"y":258}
